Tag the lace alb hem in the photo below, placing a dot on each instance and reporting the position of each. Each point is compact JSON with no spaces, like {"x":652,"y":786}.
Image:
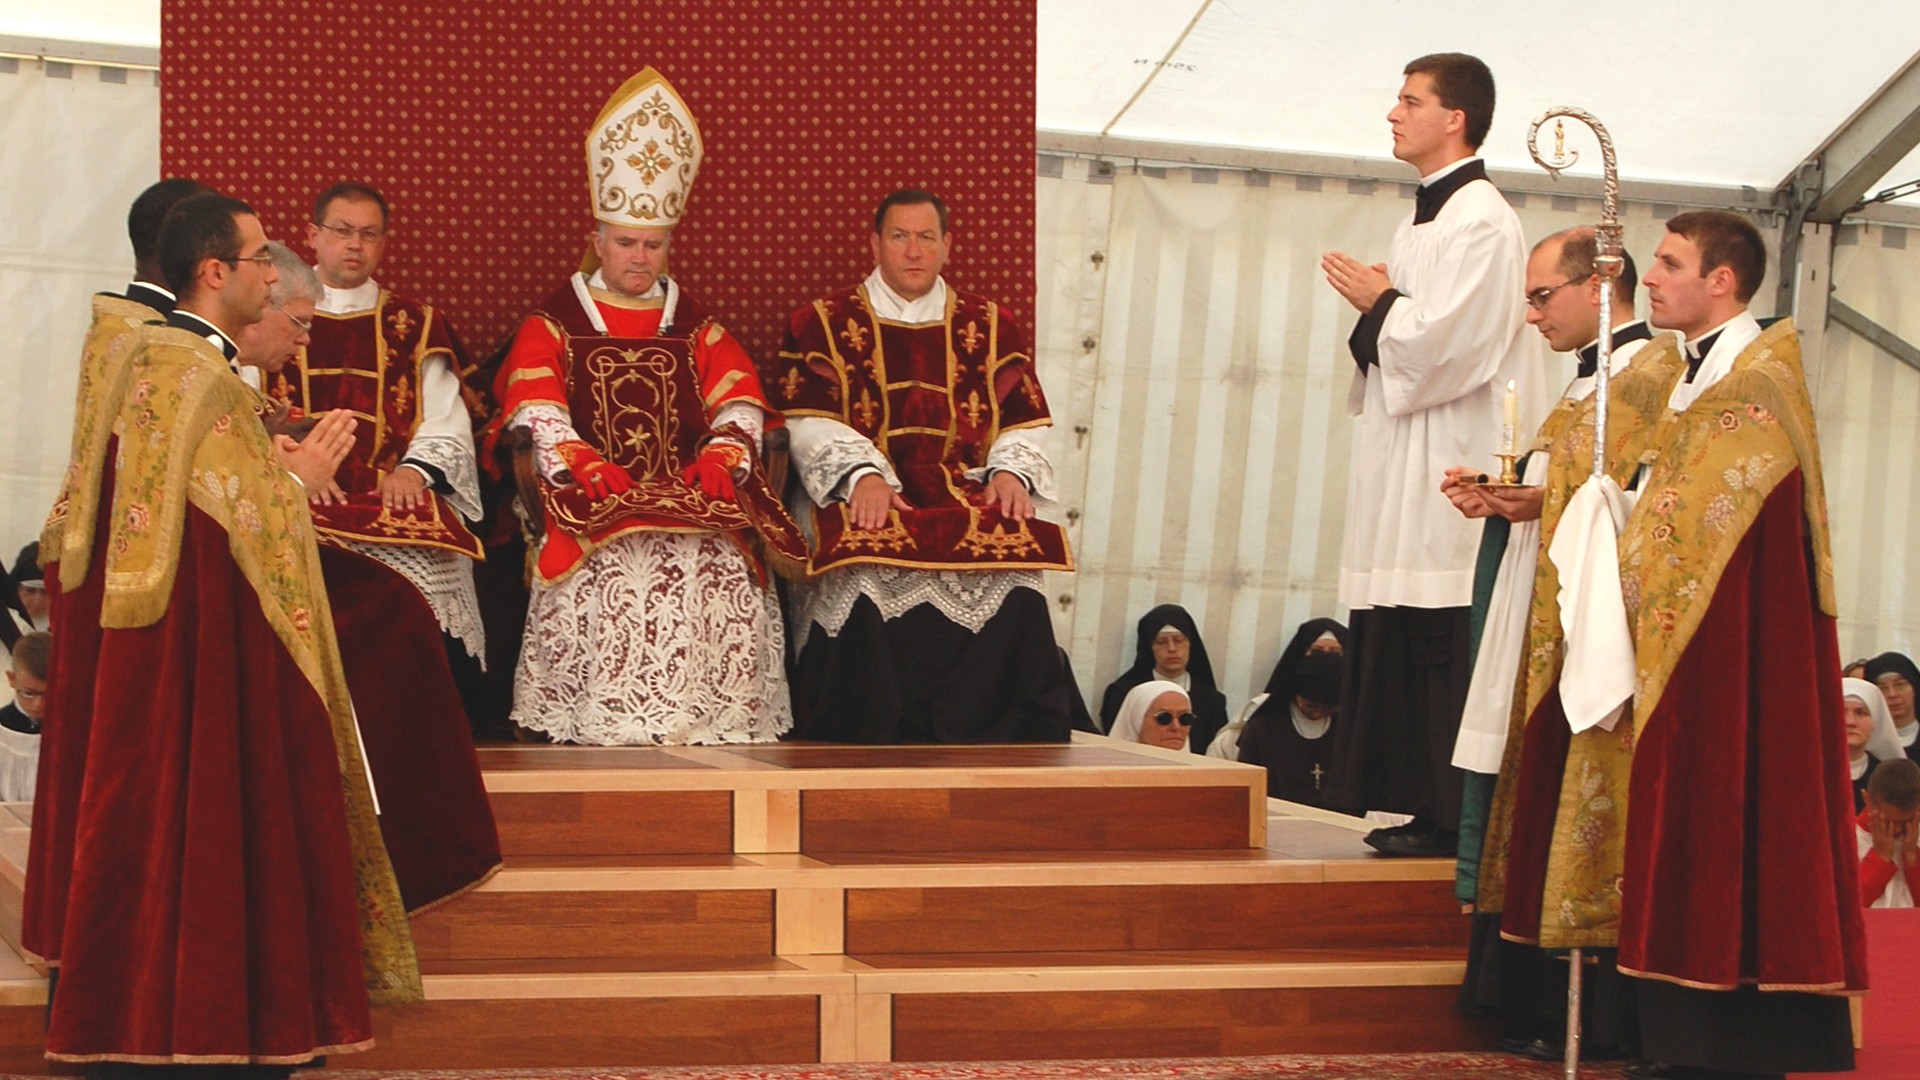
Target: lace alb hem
{"x":657,"y":639}
{"x":446,"y":580}
{"x":965,"y":598}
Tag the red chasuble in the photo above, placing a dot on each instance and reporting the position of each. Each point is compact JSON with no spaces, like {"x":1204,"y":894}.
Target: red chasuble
{"x":1710,"y":835}
{"x":933,"y":398}
{"x":370,"y":363}
{"x":212,"y":881}
{"x":644,"y":400}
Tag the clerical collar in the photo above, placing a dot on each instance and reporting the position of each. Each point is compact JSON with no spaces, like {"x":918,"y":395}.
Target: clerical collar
{"x":216,"y":337}
{"x":1307,"y":726}
{"x":1589,"y":354}
{"x":1699,"y":348}
{"x":931,"y":307}
{"x":1438,"y":187}
{"x":155,"y":297}
{"x":362,"y":297}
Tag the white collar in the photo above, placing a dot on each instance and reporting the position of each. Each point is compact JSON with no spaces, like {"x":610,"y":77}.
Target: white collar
{"x":1735,"y":335}
{"x":1308,"y":727}
{"x":1860,"y":764}
{"x":1184,"y":680}
{"x":362,"y":297}
{"x":931,"y":307}
{"x":1581,"y":388}
{"x":1906,"y":734}
{"x":216,"y":337}
{"x":1445,"y":170}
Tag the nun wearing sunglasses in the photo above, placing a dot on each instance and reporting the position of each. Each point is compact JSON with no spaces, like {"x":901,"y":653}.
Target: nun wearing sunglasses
{"x":1157,"y":713}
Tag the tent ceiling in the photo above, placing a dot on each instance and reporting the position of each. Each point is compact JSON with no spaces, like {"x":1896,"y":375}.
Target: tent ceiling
{"x":106,"y":22}
{"x":1764,"y":89}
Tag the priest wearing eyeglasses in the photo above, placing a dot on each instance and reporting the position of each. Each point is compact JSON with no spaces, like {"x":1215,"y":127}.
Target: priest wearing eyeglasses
{"x":409,"y":494}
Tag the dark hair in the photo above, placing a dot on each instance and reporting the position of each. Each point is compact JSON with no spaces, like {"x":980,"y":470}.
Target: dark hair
{"x":1726,"y":239}
{"x":1895,"y":783}
{"x":1579,"y":252}
{"x":911,"y":197}
{"x":1461,"y":82}
{"x":352,"y":191}
{"x":198,"y":229}
{"x":151,"y":208}
{"x":32,"y":653}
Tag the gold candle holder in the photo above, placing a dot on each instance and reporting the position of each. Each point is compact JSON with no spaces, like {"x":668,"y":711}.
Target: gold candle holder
{"x":1507,"y":476}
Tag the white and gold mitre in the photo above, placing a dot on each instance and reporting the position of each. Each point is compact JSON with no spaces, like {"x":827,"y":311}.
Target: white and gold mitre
{"x":642,"y":155}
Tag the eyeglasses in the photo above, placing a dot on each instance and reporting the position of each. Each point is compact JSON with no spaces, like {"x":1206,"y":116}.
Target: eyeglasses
{"x":1164,"y":718}
{"x":1538,"y":298}
{"x":300,"y":324}
{"x":371,"y":234}
{"x":262,"y":260}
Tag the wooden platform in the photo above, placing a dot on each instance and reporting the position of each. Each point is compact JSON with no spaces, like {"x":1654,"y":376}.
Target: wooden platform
{"x":796,"y":903}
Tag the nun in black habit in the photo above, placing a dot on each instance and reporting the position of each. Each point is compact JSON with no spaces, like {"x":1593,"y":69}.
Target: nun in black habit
{"x":1289,"y":741}
{"x":1180,"y":658}
{"x":1898,"y":679}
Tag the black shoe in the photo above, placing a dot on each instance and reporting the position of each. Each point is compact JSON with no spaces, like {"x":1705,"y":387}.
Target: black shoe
{"x":1543,"y":1050}
{"x":1429,"y":843}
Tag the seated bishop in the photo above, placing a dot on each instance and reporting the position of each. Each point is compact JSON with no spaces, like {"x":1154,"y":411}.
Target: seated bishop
{"x":653,"y":619}
{"x":918,"y":436}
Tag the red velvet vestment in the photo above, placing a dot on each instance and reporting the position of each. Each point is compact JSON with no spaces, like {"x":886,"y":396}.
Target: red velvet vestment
{"x":645,"y":401}
{"x":933,"y":399}
{"x":434,"y":813}
{"x":1710,"y":834}
{"x":370,"y":362}
{"x":210,"y":877}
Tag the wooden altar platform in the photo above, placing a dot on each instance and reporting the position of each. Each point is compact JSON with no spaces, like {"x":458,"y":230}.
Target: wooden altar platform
{"x":795,"y":903}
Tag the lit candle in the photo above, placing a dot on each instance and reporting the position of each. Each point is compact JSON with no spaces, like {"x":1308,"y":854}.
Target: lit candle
{"x":1513,"y":416}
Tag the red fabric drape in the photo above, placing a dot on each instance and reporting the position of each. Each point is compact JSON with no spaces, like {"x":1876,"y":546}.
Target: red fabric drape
{"x":473,"y":121}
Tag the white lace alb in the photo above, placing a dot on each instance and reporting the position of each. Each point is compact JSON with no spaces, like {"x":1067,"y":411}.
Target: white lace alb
{"x":445,"y":578}
{"x":966,"y":597}
{"x":657,"y":638}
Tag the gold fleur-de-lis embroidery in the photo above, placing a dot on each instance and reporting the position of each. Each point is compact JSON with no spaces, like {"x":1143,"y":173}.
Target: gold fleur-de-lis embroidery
{"x":1030,"y":388}
{"x":854,"y":335}
{"x":402,"y":395}
{"x":867,"y":409}
{"x":400,"y":321}
{"x":973,"y":408}
{"x":790,"y":383}
{"x":971,"y":338}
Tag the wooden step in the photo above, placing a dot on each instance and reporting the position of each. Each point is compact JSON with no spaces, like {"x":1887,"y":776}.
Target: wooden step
{"x":1091,"y":794}
{"x":1269,"y":915}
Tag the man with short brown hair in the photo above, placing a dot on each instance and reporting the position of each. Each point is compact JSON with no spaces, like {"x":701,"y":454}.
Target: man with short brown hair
{"x":1440,"y":327}
{"x":1708,"y":831}
{"x":918,"y":436}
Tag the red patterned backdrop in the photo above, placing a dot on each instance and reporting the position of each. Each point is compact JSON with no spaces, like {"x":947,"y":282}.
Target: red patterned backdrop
{"x":471,"y":118}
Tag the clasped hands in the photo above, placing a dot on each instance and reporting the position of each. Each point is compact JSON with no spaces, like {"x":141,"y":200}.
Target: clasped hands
{"x":1360,"y":284}
{"x":871,"y":500}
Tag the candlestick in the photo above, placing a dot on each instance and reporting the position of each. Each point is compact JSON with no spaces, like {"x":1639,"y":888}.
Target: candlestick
{"x":1513,"y":419}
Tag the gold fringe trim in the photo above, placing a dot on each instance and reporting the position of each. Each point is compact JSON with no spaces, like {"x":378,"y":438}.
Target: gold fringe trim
{"x":1833,"y":989}
{"x":215,"y":1059}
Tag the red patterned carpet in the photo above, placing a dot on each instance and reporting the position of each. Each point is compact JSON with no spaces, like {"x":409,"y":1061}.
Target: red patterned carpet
{"x":1461,"y":1066}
